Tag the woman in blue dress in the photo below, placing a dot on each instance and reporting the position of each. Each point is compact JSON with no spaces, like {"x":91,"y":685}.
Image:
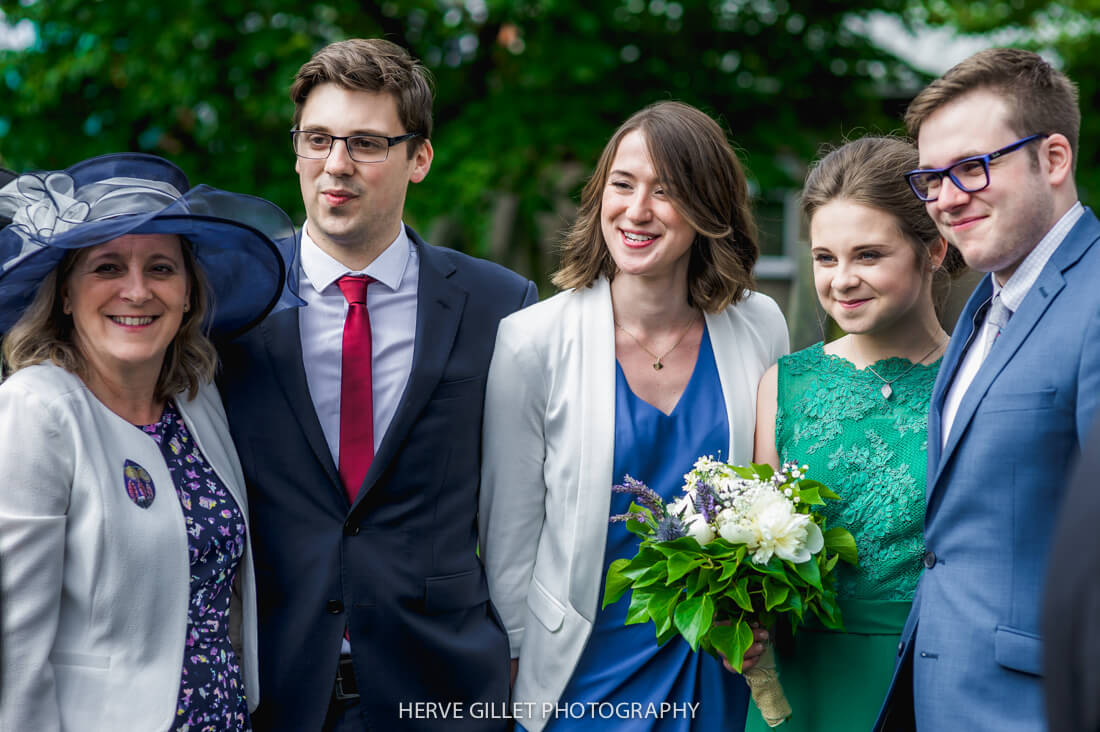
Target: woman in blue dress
{"x":648,"y":359}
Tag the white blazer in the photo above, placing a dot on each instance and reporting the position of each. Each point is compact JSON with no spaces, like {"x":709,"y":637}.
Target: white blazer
{"x":95,"y":588}
{"x":548,"y":451}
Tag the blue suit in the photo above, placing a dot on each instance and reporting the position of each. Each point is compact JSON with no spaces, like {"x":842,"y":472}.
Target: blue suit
{"x":970,"y":651}
{"x":399,"y":566}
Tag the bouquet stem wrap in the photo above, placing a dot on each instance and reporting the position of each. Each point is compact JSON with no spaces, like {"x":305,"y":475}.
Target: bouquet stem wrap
{"x":767,"y":691}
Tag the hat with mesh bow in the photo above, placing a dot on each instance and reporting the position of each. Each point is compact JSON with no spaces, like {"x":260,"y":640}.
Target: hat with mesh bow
{"x":244,"y":245}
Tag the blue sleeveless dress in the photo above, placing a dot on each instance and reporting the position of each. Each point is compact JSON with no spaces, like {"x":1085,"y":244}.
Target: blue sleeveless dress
{"x":623,"y":670}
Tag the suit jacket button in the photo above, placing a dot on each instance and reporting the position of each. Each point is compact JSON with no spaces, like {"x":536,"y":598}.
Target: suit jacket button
{"x":929,"y":559}
{"x":335,"y":607}
{"x":350,"y":530}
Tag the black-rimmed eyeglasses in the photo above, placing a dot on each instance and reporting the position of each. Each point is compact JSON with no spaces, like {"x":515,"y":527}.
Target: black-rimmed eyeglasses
{"x":361,"y":148}
{"x":969,"y":174}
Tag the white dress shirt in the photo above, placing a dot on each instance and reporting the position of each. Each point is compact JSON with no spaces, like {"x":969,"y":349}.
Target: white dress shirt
{"x":391,"y":302}
{"x":1012,"y":294}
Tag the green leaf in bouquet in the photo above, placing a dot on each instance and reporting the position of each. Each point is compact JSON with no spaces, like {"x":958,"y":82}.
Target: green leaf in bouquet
{"x":763,"y":470}
{"x":793,"y":605}
{"x":657,"y":572}
{"x":662,"y":603}
{"x":739,"y":593}
{"x":693,"y":618}
{"x":668,"y":634}
{"x":810,"y":572}
{"x":831,"y":562}
{"x":616,"y":583}
{"x":824,"y":491}
{"x":840,"y":540}
{"x":775,"y":592}
{"x":681,"y":563}
{"x":642,"y":561}
{"x":641,"y":528}
{"x":775,"y":567}
{"x":721,"y":549}
{"x":809,"y":493}
{"x":731,"y":564}
{"x":828,"y":612}
{"x":638,"y":612}
{"x":698,"y":581}
{"x":685,"y":544}
{"x":717,"y":585}
{"x":746,"y":473}
{"x":732,"y":641}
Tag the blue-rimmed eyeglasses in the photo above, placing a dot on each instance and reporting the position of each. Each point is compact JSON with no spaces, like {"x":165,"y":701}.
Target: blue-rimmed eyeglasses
{"x":361,"y":148}
{"x":969,"y":174}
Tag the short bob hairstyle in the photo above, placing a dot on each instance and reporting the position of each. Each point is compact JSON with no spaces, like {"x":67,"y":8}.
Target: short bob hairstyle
{"x":706,"y":185}
{"x":44,"y":333}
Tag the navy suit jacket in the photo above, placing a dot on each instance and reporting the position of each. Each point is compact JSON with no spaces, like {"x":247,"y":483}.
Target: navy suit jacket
{"x":970,"y":650}
{"x":399,"y":566}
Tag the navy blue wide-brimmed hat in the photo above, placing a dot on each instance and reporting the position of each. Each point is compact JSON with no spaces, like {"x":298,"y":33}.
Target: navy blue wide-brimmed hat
{"x":6,"y":176}
{"x":244,"y":245}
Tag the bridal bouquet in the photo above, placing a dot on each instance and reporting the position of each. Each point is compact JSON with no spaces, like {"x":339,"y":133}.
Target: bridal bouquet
{"x":741,"y":544}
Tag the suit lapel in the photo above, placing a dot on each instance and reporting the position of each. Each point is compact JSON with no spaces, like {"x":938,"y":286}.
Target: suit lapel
{"x":965,"y":330}
{"x":439,"y":306}
{"x":282,"y":340}
{"x":592,"y":322}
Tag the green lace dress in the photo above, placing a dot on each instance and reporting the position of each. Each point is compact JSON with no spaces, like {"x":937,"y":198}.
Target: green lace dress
{"x":872,"y":451}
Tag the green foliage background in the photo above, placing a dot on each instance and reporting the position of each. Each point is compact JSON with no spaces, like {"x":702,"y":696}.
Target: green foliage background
{"x":527,"y":91}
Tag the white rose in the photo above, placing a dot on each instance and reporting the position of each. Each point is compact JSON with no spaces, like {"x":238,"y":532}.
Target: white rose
{"x":782,"y":532}
{"x":698,"y":529}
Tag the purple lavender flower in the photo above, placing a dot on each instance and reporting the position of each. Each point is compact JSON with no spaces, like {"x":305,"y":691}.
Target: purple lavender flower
{"x":645,"y":495}
{"x":624,"y":517}
{"x":706,"y":501}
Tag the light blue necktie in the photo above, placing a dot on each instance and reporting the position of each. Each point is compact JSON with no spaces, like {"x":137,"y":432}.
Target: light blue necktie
{"x":997,"y":319}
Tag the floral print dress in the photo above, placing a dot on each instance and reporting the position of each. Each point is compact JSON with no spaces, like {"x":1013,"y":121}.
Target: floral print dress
{"x":211,"y":696}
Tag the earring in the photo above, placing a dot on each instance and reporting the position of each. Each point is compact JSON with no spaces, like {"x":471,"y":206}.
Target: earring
{"x":186,"y":306}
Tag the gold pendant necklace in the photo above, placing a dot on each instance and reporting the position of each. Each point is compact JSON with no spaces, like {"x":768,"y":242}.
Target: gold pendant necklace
{"x":657,"y":365}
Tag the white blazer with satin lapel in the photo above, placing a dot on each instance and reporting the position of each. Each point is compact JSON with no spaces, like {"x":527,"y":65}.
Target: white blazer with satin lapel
{"x":548,"y":454}
{"x":95,"y":588}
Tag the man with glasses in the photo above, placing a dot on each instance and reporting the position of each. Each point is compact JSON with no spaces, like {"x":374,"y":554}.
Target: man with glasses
{"x":1016,"y":392}
{"x":358,"y":420}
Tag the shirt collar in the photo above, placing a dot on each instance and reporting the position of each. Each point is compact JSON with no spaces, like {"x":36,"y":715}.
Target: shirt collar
{"x":388,"y":268}
{"x":1016,"y":288}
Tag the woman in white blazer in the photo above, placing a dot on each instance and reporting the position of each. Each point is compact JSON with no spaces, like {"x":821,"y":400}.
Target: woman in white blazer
{"x":123,"y":523}
{"x":648,"y":359}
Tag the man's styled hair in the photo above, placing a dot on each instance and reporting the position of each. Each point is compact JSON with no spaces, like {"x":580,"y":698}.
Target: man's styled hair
{"x":706,"y":185}
{"x":371,"y":65}
{"x":1040,"y":98}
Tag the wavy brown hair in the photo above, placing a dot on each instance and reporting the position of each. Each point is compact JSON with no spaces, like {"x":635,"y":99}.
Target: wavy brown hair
{"x":371,"y":65}
{"x":870,"y":171}
{"x":44,"y":333}
{"x":706,"y":185}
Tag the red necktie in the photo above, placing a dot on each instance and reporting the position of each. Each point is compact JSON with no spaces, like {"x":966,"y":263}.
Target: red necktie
{"x":356,"y":396}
